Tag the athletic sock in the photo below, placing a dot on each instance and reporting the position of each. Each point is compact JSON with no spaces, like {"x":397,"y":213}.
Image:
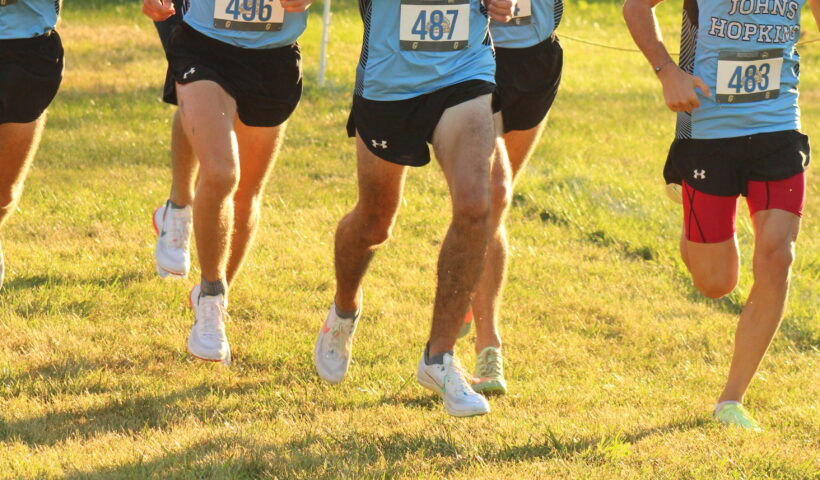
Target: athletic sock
{"x":212,"y":289}
{"x":347,"y":315}
{"x":435,"y":359}
{"x":725,"y":402}
{"x":175,"y":206}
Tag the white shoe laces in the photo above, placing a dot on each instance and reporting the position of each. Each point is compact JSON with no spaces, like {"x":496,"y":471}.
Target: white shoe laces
{"x":491,"y":366}
{"x":178,"y":228}
{"x":340,"y":339}
{"x":211,"y":316}
{"x":455,"y":378}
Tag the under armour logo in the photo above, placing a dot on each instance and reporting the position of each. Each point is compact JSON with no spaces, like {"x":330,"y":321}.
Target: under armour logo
{"x":699,"y":174}
{"x":382,"y":144}
{"x":189,"y":72}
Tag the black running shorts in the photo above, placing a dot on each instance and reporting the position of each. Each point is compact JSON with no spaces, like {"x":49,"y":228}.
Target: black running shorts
{"x":527,"y":81}
{"x":266,"y":83}
{"x":399,"y":131}
{"x":31,"y":70}
{"x":725,"y":166}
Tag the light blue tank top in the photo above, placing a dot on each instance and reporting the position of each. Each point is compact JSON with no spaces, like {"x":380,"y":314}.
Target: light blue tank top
{"x":414,"y":47}
{"x":534,"y":22}
{"x":745,"y":51}
{"x":27,"y":18}
{"x":246,"y":23}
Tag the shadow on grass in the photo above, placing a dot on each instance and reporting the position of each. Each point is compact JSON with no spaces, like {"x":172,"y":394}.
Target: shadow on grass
{"x":353,"y":455}
{"x":25,"y":282}
{"x":124,"y":414}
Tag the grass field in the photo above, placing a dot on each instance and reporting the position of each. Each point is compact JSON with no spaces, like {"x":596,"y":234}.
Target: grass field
{"x":613,"y":360}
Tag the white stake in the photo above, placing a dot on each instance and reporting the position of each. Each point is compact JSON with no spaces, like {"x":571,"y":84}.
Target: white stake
{"x":325,"y":39}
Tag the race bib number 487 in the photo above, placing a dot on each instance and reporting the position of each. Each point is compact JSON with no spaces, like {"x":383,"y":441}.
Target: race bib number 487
{"x":434,"y":25}
{"x":744,"y":77}
{"x":256,"y":15}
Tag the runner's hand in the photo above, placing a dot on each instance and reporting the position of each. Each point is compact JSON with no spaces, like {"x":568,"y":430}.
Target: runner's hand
{"x":158,"y":10}
{"x":500,"y":10}
{"x":679,"y":89}
{"x":296,"y":6}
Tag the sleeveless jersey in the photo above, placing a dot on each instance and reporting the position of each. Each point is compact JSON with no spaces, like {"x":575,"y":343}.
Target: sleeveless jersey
{"x":414,"y":47}
{"x":534,"y":22}
{"x":246,"y":23}
{"x":27,"y":18}
{"x":745,"y":52}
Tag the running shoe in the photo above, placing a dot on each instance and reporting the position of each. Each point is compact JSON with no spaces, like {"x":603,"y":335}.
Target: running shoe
{"x":468,"y":322}
{"x":334,"y":346}
{"x":489,"y":372}
{"x":450,"y":381}
{"x":733,"y":413}
{"x":172,"y":253}
{"x":207,"y":340}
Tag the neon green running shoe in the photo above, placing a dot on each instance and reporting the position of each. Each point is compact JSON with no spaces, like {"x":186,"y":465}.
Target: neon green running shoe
{"x":489,"y":372}
{"x":468,"y":322}
{"x":733,"y":413}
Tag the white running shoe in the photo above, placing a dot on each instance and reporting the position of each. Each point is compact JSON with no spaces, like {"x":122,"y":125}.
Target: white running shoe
{"x":207,"y":340}
{"x":334,"y":347}
{"x":449,"y":380}
{"x":173,"y":227}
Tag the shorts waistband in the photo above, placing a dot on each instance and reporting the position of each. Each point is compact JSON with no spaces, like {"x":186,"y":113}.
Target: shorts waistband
{"x":27,"y":42}
{"x":222,"y":47}
{"x":527,"y":51}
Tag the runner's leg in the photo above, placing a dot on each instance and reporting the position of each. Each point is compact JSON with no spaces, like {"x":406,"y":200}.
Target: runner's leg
{"x":775,"y":235}
{"x":515,"y":150}
{"x":184,"y":166}
{"x":464,"y":142}
{"x":18,"y":145}
{"x":368,"y":225}
{"x":258,"y":149}
{"x":207,"y":113}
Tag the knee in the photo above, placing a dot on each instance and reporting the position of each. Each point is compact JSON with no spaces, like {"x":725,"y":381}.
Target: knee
{"x":500,"y":195}
{"x":374,"y":227}
{"x":472,"y":211}
{"x":773,"y":261}
{"x":219,"y":180}
{"x":247,"y":205}
{"x":717,"y":285}
{"x":9,"y":199}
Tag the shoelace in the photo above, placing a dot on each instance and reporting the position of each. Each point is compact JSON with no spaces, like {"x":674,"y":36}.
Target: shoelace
{"x":178,"y":230}
{"x":340,"y":340}
{"x":210,"y":314}
{"x":491,"y":367}
{"x":458,"y":375}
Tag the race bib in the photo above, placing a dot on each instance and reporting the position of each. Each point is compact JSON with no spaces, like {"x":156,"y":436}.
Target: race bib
{"x":434,"y":25}
{"x":255,"y":15}
{"x":523,"y":13}
{"x":744,"y":77}
{"x":3,"y":3}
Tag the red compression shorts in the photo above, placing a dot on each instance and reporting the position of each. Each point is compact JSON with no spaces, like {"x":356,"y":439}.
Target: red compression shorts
{"x":711,"y":218}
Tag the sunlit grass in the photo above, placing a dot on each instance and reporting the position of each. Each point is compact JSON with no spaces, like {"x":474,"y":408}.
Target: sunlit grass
{"x":613,"y":360}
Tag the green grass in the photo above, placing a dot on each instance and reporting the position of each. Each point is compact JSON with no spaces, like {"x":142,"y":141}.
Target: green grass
{"x":613,"y":360}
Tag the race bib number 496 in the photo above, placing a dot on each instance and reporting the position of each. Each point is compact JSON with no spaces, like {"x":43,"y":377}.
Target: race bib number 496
{"x":434,"y":25}
{"x":256,"y":15}
{"x":744,"y":77}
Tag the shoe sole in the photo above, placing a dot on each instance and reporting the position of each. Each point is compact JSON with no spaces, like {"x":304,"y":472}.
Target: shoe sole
{"x":225,"y":361}
{"x":161,"y":271}
{"x":492,"y":387}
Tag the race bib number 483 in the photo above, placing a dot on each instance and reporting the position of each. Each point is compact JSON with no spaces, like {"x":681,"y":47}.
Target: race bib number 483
{"x":434,"y":25}
{"x":744,"y":77}
{"x":256,"y":15}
